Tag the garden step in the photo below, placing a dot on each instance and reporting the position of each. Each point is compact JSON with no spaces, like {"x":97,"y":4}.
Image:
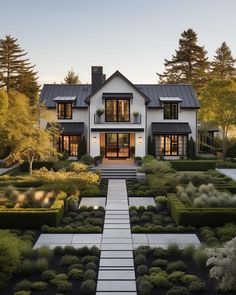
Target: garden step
{"x":117,"y":240}
{"x":116,"y":226}
{"x":116,"y":254}
{"x":114,"y":262}
{"x":116,"y":274}
{"x":116,"y":285}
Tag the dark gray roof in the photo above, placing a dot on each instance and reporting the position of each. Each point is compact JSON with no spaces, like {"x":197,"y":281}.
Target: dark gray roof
{"x":182,"y":91}
{"x":170,"y":128}
{"x":50,"y":91}
{"x":153,"y":92}
{"x":70,"y":128}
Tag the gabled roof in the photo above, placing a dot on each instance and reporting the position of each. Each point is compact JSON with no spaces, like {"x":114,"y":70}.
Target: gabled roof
{"x":182,"y":91}
{"x":118,"y":74}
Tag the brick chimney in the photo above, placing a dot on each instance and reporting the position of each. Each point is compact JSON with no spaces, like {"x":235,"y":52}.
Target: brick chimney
{"x":97,"y":77}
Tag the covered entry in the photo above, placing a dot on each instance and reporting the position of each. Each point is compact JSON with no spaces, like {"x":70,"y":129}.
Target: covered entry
{"x":117,"y":145}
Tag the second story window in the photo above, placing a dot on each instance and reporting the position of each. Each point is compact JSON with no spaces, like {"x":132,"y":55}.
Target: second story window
{"x":117,"y":110}
{"x":170,"y":110}
{"x":64,"y":110}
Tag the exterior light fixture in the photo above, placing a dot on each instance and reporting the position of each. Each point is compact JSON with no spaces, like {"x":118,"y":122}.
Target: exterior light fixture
{"x":94,"y":139}
{"x":140,"y":139}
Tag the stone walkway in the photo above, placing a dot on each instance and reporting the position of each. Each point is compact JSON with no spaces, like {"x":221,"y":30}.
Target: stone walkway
{"x":116,"y":269}
{"x":228,"y":172}
{"x":4,"y":170}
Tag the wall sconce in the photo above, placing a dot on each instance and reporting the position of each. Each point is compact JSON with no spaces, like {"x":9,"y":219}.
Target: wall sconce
{"x":140,"y":139}
{"x":94,"y":139}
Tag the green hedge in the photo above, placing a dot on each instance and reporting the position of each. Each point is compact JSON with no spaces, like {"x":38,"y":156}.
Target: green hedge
{"x":193,"y":165}
{"x":24,"y":167}
{"x":199,"y":216}
{"x":32,"y":217}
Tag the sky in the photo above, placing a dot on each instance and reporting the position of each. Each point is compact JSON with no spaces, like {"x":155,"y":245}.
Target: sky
{"x":132,"y":36}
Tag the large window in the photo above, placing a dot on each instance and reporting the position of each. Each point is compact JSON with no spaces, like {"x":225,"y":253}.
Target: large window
{"x":64,"y":110}
{"x":117,"y":110}
{"x":170,"y":110}
{"x":171,"y":145}
{"x":69,"y":143}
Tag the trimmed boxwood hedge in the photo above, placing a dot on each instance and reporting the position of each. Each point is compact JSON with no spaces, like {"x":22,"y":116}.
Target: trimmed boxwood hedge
{"x":193,"y":165}
{"x":199,"y":216}
{"x":24,"y":167}
{"x":32,"y":217}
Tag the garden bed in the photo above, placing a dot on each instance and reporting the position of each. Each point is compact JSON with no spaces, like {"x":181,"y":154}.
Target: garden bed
{"x":172,"y":271}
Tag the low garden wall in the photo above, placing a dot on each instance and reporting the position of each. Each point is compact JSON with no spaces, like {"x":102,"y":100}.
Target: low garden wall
{"x":198,"y":217}
{"x":32,"y":217}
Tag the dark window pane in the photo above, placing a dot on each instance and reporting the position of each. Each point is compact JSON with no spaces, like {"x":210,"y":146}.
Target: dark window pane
{"x":111,"y":110}
{"x":64,"y":110}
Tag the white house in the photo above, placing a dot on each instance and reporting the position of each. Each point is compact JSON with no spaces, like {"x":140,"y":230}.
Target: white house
{"x":118,"y":116}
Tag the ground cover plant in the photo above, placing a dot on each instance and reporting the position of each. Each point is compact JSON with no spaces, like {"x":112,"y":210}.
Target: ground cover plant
{"x":59,"y":271}
{"x":172,"y":271}
{"x":83,"y":220}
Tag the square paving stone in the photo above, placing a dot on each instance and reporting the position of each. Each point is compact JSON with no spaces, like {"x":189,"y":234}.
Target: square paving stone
{"x":173,"y":238}
{"x":95,"y":202}
{"x":117,"y":216}
{"x":141,"y":201}
{"x":116,"y":254}
{"x":120,"y":262}
{"x":116,"y":275}
{"x":87,"y":238}
{"x":139,"y":238}
{"x":115,"y":212}
{"x":120,"y":225}
{"x":112,"y":220}
{"x":116,"y":240}
{"x":55,"y":238}
{"x":116,"y":286}
{"x":114,"y":247}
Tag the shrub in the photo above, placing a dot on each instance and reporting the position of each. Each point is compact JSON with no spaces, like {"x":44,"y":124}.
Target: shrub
{"x":176,"y":276}
{"x":26,"y":267}
{"x":24,"y":285}
{"x":178,"y":291}
{"x":76,"y":266}
{"x":176,"y":265}
{"x":45,"y":252}
{"x":189,"y":251}
{"x":197,"y":286}
{"x":69,"y":260}
{"x":90,"y":275}
{"x":59,"y":278}
{"x":89,"y":258}
{"x":22,"y":293}
{"x":160,"y":252}
{"x":200,"y":257}
{"x":58,"y":250}
{"x":87,"y":160}
{"x":153,"y":166}
{"x":144,"y":288}
{"x":39,"y":285}
{"x":196,"y":165}
{"x":188,"y":279}
{"x":78,"y":167}
{"x":91,"y":265}
{"x":48,"y":275}
{"x":159,"y":280}
{"x":142,"y":270}
{"x":140,"y":259}
{"x":64,"y":287}
{"x":160,"y":262}
{"x":41,"y":264}
{"x":155,"y":269}
{"x":88,"y":287}
{"x":173,"y":250}
{"x":76,"y":274}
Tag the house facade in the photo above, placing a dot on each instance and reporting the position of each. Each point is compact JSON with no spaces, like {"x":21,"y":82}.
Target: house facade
{"x":116,"y":117}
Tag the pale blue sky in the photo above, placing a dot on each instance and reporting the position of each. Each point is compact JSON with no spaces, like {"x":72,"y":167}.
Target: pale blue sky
{"x":133,"y":36}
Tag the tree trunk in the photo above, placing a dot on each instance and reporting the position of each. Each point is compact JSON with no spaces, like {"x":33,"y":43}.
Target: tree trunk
{"x":31,"y":167}
{"x":224,"y":145}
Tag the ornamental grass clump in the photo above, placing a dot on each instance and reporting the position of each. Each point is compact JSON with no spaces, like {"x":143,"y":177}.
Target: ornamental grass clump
{"x":205,"y":196}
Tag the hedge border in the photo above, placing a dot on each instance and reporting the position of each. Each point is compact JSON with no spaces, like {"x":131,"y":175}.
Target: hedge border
{"x":193,"y":165}
{"x":24,"y":167}
{"x":199,"y":216}
{"x":32,"y":217}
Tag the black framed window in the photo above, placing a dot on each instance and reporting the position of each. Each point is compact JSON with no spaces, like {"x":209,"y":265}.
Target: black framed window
{"x":64,"y":110}
{"x":117,"y":110}
{"x":170,"y":110}
{"x":170,"y":145}
{"x":69,"y":143}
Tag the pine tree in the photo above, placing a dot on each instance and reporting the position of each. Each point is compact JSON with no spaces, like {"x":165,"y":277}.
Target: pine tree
{"x":189,"y":64}
{"x":223,"y":64}
{"x":72,"y":78}
{"x":16,"y":72}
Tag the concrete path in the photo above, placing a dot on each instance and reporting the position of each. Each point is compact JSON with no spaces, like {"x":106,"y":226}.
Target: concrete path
{"x":228,"y":172}
{"x":116,"y":269}
{"x":4,"y":170}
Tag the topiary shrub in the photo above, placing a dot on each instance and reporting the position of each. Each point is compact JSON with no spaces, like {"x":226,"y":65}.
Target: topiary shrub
{"x":88,"y":287}
{"x":142,"y":270}
{"x":87,"y":160}
{"x":140,"y":259}
{"x":24,"y":285}
{"x":90,"y":274}
{"x":188,"y":279}
{"x":48,"y":275}
{"x":178,"y":291}
{"x":26,"y":267}
{"x":197,"y":287}
{"x":41,"y":264}
{"x":69,"y":260}
{"x":38,"y":285}
{"x":160,"y":263}
{"x":22,"y":293}
{"x":176,"y":276}
{"x":144,"y":288}
{"x":173,"y":250}
{"x":76,"y":274}
{"x":64,"y":287}
{"x":91,"y":265}
{"x":45,"y":252}
{"x":176,"y":265}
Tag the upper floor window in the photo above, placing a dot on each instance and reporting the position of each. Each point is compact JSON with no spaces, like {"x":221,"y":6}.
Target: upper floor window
{"x":117,"y":110}
{"x":171,"y":110}
{"x":64,"y":110}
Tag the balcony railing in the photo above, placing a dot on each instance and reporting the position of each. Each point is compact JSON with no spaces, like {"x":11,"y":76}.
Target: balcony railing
{"x":102,"y":120}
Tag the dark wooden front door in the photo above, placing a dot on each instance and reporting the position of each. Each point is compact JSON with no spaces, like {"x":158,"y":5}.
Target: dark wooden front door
{"x":117,"y":145}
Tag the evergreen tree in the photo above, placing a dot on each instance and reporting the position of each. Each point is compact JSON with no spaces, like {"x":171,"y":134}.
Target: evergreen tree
{"x":223,"y":64}
{"x":72,"y":78}
{"x":189,"y":64}
{"x":16,"y":72}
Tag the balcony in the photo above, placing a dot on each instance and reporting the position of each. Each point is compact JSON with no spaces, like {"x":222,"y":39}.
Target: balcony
{"x":133,"y":120}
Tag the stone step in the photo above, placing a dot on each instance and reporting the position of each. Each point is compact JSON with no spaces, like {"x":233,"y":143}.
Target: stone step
{"x":116,"y":254}
{"x":116,"y":286}
{"x":116,"y":275}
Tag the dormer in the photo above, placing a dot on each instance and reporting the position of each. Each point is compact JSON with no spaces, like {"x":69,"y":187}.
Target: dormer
{"x":64,"y":106}
{"x":171,"y":107}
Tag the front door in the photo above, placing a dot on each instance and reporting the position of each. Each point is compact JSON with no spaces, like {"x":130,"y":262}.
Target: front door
{"x":117,"y":145}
